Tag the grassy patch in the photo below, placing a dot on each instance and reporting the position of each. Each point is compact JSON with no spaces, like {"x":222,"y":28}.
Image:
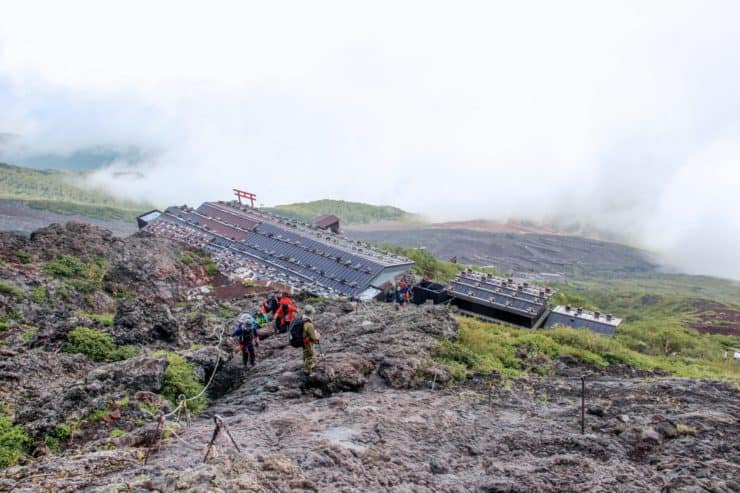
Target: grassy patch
{"x":29,"y":333}
{"x":14,"y":442}
{"x":83,"y":276}
{"x":484,"y":348}
{"x":97,"y":345}
{"x":192,"y":259}
{"x":117,"y":433}
{"x":104,"y":319}
{"x":180,"y":379}
{"x":23,"y":256}
{"x":13,"y":291}
{"x":4,"y":324}
{"x":38,"y":295}
{"x":96,"y":416}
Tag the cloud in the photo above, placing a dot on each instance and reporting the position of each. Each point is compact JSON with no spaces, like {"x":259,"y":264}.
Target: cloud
{"x":608,"y":115}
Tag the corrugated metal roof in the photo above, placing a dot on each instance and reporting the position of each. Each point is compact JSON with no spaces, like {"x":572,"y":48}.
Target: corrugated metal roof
{"x":325,"y":221}
{"x":278,"y":249}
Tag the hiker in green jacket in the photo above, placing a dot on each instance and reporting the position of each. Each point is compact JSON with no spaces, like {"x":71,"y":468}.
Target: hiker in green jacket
{"x":310,"y":337}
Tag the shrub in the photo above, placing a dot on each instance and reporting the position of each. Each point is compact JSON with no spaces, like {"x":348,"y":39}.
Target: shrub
{"x":14,"y":291}
{"x":52,"y":442}
{"x":84,"y":276}
{"x":38,"y":295}
{"x":4,"y":324}
{"x":96,"y":344}
{"x":190,"y":258}
{"x":23,"y":256}
{"x":14,"y":442}
{"x":29,"y":334}
{"x":180,"y":379}
{"x":105,"y":319}
{"x":116,"y":433}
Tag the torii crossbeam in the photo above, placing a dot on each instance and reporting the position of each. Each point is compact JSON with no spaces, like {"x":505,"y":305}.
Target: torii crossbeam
{"x":241,"y":194}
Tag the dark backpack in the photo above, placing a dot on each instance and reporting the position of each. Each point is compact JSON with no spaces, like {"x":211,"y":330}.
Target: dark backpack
{"x":273,"y":304}
{"x":296,"y":333}
{"x":246,"y":335}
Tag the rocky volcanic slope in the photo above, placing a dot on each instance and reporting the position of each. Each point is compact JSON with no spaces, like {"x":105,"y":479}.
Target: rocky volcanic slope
{"x":377,"y":415}
{"x":513,"y":252}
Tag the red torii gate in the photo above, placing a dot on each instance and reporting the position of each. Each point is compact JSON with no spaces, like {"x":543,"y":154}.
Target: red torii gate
{"x":241,"y":194}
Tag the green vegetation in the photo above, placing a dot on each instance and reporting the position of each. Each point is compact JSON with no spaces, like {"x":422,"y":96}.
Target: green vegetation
{"x":104,"y":319}
{"x":4,"y":324}
{"x":483,"y":348}
{"x":38,"y":295}
{"x":225,"y":310}
{"x":84,"y":276}
{"x":23,"y":256}
{"x":117,"y":433}
{"x":60,"y":433}
{"x":14,"y":441}
{"x":97,"y":415}
{"x":29,"y":333}
{"x":191,"y":259}
{"x":13,"y":291}
{"x":180,"y":379}
{"x":64,"y":192}
{"x":426,"y":264}
{"x":96,"y":345}
{"x":348,"y":212}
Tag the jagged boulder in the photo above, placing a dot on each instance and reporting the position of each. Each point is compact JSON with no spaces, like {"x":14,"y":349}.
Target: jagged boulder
{"x":140,"y":373}
{"x":399,"y":373}
{"x":341,"y":371}
{"x":139,"y":322}
{"x":205,"y":361}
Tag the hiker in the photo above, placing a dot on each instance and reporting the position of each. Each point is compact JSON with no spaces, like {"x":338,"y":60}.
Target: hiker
{"x":245,"y":331}
{"x":260,"y":319}
{"x":310,"y":337}
{"x":285,"y":314}
{"x":270,"y":305}
{"x":403,"y":293}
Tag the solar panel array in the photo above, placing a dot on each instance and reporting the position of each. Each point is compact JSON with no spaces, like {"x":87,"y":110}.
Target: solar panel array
{"x":276,"y":248}
{"x":500,"y":293}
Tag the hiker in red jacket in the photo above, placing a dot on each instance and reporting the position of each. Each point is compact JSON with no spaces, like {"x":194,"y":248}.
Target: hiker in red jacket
{"x":285,"y":314}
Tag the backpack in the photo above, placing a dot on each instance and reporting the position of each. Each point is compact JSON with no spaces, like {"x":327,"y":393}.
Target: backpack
{"x":273,"y":304}
{"x":295,"y":337}
{"x":285,"y":308}
{"x":246,"y":335}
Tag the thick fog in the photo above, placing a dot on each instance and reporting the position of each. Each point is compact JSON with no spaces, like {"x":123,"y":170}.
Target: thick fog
{"x":619,"y":116}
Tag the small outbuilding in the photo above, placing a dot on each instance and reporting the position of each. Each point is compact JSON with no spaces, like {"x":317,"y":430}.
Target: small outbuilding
{"x":578,"y":318}
{"x":329,"y":222}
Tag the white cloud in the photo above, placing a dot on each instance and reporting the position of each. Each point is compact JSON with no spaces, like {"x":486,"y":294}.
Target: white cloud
{"x":584,"y":111}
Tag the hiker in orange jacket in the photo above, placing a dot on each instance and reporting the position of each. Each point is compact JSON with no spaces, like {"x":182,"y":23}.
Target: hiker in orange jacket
{"x":285,"y":314}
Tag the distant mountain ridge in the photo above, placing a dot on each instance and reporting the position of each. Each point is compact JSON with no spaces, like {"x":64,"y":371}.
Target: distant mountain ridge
{"x":57,"y":191}
{"x":348,"y":212}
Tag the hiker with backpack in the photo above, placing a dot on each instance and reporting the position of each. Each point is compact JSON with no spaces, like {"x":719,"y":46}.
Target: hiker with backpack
{"x":304,"y":334}
{"x":245,"y":331}
{"x":270,"y":305}
{"x":285,"y":314}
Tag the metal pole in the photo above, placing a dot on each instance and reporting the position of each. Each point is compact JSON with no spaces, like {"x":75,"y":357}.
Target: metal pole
{"x":155,"y":438}
{"x":583,"y":401}
{"x":213,"y":439}
{"x":226,"y":429}
{"x":583,"y":405}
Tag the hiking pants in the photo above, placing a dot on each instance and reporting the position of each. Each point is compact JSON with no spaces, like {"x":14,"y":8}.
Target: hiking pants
{"x":309,"y":358}
{"x":248,"y":353}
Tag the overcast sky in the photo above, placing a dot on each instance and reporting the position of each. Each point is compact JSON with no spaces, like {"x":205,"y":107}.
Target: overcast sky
{"x":622,"y":115}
